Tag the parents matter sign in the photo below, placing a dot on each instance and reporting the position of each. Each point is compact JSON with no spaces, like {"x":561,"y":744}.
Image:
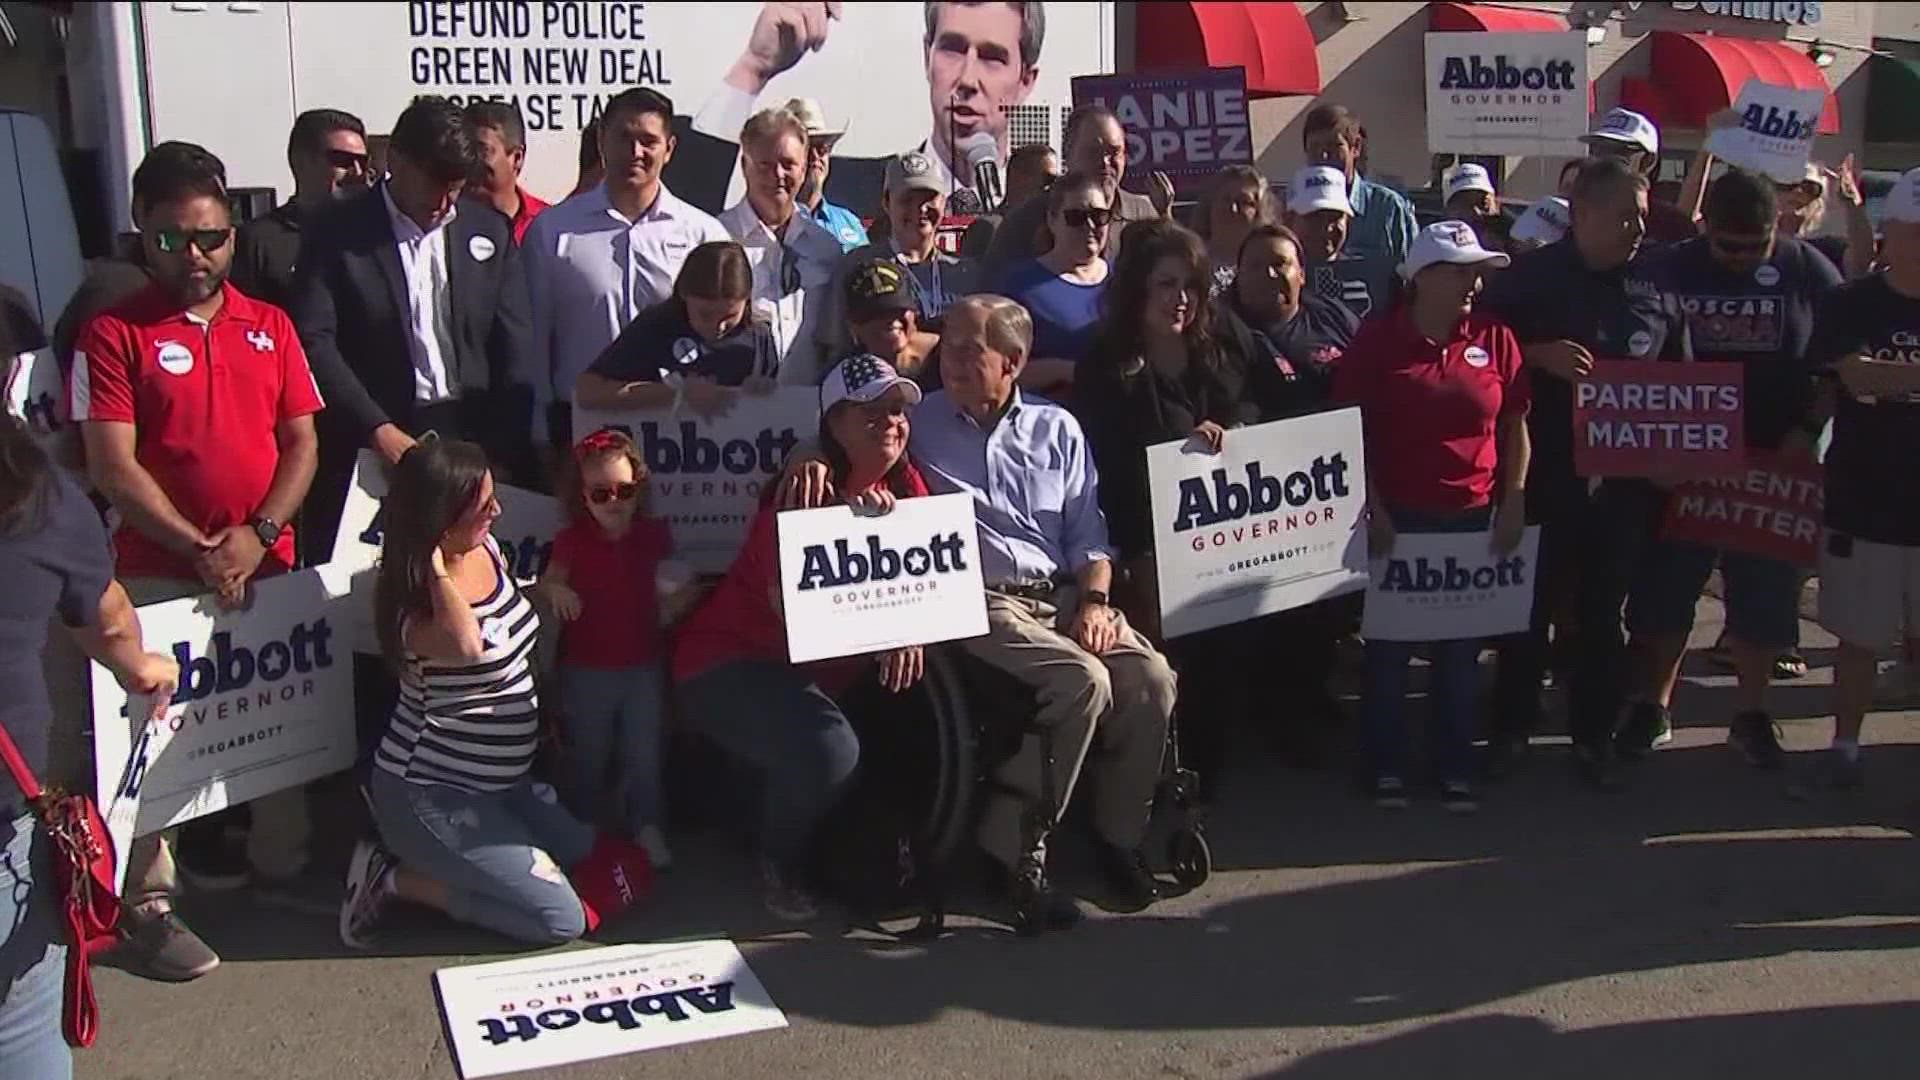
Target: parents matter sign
{"x":1499,"y":93}
{"x":709,"y":472}
{"x":1451,"y":587}
{"x":1773,"y":509}
{"x":585,"y":1004}
{"x":855,"y":583}
{"x":1775,"y":132}
{"x":265,"y":703}
{"x":1653,"y":418}
{"x":1188,"y":124}
{"x":1272,"y":522}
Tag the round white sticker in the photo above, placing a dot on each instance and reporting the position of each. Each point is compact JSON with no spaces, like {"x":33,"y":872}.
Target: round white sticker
{"x":1640,"y":343}
{"x":480,"y":248}
{"x":175,"y":358}
{"x":1477,"y":356}
{"x":685,"y":350}
{"x":1767,"y":275}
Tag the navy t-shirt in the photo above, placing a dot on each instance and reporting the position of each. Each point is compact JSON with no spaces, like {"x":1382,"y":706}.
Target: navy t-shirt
{"x":1065,"y":313}
{"x":1762,"y":318}
{"x":1290,"y":364}
{"x":1366,"y":284}
{"x":1873,"y":486}
{"x":659,"y":342}
{"x":55,"y":562}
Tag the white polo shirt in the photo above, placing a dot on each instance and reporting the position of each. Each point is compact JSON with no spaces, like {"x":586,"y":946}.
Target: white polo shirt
{"x":423,"y":260}
{"x":791,"y":283}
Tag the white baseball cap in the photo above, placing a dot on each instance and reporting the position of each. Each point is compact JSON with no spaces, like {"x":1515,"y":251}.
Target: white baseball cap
{"x":1468,"y":177}
{"x":1447,"y":242}
{"x":1545,"y":222}
{"x":1318,"y":187}
{"x":861,"y":379}
{"x":1625,"y":126}
{"x":1903,"y":199}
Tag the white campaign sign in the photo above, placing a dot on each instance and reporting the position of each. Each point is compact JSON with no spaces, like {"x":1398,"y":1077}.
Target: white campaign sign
{"x":1775,"y":133}
{"x":120,"y":804}
{"x":1274,"y":521}
{"x":858,"y":583}
{"x":1449,"y":587}
{"x":585,"y":1004}
{"x":1506,"y":93}
{"x":708,"y":474}
{"x":265,"y":702}
{"x":524,"y":532}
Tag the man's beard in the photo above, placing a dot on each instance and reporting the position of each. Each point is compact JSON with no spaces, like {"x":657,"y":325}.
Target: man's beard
{"x":187,"y":291}
{"x":810,"y":189}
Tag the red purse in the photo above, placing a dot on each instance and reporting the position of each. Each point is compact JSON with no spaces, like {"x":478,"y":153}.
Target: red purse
{"x":83,"y":861}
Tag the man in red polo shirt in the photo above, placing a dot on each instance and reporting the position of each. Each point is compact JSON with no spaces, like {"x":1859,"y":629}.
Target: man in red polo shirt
{"x":195,"y":406}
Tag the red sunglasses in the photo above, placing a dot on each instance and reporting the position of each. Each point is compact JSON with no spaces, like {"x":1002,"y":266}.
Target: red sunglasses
{"x":612,"y":493}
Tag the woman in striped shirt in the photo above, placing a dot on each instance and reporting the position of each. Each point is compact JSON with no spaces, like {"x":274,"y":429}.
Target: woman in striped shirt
{"x":464,"y":828}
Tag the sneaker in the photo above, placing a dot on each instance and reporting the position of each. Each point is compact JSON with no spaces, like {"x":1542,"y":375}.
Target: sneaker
{"x":1648,"y":725}
{"x":784,"y":899}
{"x":208,"y":862}
{"x":369,"y":884}
{"x":159,"y":946}
{"x":1757,"y":737}
{"x":1598,"y":768}
{"x":1037,"y":906}
{"x":655,"y":845}
{"x":1845,"y":772}
{"x":1130,"y":884}
{"x":1389,"y":793}
{"x":1458,"y":796}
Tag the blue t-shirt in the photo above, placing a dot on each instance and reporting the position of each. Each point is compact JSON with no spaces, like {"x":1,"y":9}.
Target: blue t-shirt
{"x":658,"y":342}
{"x":1065,"y":313}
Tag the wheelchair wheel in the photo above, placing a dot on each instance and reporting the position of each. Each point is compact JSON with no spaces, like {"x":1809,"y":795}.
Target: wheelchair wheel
{"x":1189,"y":857}
{"x":950,"y":746}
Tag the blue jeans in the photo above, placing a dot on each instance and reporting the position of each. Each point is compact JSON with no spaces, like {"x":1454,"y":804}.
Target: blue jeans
{"x":613,"y":715}
{"x":1451,"y":684}
{"x":32,"y":962}
{"x":769,"y":715}
{"x":502,"y":855}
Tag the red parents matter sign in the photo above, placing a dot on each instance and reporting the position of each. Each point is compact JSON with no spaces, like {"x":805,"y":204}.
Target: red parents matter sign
{"x":1771,"y":509}
{"x":1654,"y":418}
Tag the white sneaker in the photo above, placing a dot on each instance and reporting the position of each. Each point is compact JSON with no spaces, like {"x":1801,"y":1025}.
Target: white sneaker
{"x":1897,"y":687}
{"x":369,"y":884}
{"x":655,"y":845}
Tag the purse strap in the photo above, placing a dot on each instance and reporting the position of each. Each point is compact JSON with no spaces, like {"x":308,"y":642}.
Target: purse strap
{"x":17,"y":765}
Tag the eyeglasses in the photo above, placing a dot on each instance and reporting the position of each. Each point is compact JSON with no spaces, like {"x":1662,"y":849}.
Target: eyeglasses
{"x":348,"y":160}
{"x":175,"y":241}
{"x":607,"y":493}
{"x":1095,"y":217}
{"x":789,"y":270}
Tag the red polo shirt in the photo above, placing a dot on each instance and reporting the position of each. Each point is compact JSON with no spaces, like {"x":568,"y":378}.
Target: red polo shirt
{"x":204,"y":399}
{"x":1430,"y":408}
{"x":529,"y":208}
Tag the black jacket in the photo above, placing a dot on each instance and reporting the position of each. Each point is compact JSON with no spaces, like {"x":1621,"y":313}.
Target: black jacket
{"x":265,"y":254}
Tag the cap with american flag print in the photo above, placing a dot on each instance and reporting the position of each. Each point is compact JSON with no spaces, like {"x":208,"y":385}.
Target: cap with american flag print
{"x":862,"y":378}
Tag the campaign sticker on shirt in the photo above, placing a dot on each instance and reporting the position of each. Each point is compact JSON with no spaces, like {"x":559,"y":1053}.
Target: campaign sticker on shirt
{"x":1477,"y":356}
{"x":174,"y":358}
{"x":685,"y":350}
{"x":492,"y":633}
{"x":1640,"y":343}
{"x":480,"y":248}
{"x":1767,"y":275}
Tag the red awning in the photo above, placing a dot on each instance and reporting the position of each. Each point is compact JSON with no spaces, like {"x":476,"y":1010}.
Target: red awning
{"x":1481,"y":17}
{"x":1271,"y":41}
{"x":1694,"y":76}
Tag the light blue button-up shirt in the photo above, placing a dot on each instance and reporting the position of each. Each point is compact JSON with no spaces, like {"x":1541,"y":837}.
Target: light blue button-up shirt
{"x":842,"y":223}
{"x":1035,"y":493}
{"x":1383,"y":222}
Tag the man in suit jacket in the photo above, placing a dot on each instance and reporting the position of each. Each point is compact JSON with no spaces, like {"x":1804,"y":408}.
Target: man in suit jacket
{"x":412,"y":311}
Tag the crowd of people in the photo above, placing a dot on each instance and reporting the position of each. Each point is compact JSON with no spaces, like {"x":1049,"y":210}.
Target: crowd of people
{"x":224,"y":380}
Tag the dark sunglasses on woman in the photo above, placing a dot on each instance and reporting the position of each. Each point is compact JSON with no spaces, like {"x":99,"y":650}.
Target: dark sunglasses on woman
{"x":1080,"y":218}
{"x":607,"y":493}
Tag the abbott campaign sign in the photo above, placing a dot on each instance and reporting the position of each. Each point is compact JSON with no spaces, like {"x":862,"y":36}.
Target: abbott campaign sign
{"x":1653,"y":418}
{"x":1450,"y":587}
{"x":546,"y":1011}
{"x":856,"y":583}
{"x":1272,"y":522}
{"x":1188,"y":125}
{"x":709,"y":472}
{"x":265,"y":702}
{"x":1775,"y":132}
{"x":1772,"y":508}
{"x":1499,"y":93}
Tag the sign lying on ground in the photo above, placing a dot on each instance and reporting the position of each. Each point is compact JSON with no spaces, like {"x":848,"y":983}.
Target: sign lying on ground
{"x":1451,"y":587}
{"x":1188,"y":124}
{"x":1773,"y":509}
{"x":1653,"y":418}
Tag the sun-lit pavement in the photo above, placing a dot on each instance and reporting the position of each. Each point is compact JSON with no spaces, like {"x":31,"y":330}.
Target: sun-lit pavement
{"x":1709,"y":922}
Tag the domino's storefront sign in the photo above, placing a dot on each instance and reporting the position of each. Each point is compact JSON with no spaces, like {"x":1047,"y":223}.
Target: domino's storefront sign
{"x":1775,"y":132}
{"x":1451,"y":587}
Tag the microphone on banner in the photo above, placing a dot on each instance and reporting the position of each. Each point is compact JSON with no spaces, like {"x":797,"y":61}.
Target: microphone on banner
{"x":982,"y":155}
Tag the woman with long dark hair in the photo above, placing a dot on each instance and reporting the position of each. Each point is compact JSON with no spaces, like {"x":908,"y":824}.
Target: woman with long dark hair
{"x":730,"y":657}
{"x":55,"y":561}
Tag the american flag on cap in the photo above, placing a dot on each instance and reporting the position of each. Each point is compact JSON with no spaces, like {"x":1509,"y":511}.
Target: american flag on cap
{"x":862,"y":378}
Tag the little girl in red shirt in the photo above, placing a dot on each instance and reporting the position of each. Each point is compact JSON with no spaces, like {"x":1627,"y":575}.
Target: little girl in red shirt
{"x":600,"y":582}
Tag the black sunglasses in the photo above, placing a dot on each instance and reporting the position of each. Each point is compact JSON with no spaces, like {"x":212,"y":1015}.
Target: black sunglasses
{"x":1096,"y":217}
{"x":612,"y":493}
{"x":175,"y":241}
{"x":347,"y":159}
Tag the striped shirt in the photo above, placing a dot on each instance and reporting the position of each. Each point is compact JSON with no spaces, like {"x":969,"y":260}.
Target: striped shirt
{"x":473,"y":724}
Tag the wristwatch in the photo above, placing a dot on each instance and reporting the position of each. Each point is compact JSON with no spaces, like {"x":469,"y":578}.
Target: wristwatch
{"x":1095,"y":596}
{"x":267,"y":529}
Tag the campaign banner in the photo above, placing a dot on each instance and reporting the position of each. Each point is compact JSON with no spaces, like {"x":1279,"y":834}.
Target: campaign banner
{"x":1507,"y":93}
{"x":120,"y":803}
{"x":709,"y":472}
{"x":1187,"y":124}
{"x":1653,"y":418}
{"x":854,"y":582}
{"x":1451,"y":587}
{"x":265,"y":703}
{"x":1775,"y":132}
{"x":584,"y":1004}
{"x":1773,"y":508}
{"x":1274,"y":521}
{"x":524,"y":530}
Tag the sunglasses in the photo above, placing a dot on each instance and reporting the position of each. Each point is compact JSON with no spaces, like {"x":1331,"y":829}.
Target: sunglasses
{"x":606,"y":493}
{"x":175,"y":241}
{"x":348,"y":160}
{"x":1096,"y":217}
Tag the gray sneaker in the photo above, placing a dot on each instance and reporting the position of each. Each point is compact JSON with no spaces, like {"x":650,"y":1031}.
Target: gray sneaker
{"x":783,"y":897}
{"x":161,"y":947}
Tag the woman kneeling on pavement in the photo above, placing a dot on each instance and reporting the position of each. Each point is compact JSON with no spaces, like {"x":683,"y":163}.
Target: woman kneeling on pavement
{"x":463,"y":827}
{"x":1444,"y":405}
{"x":730,"y":664}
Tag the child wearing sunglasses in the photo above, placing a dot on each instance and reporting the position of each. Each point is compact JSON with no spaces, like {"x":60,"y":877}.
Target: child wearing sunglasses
{"x":601,"y":583}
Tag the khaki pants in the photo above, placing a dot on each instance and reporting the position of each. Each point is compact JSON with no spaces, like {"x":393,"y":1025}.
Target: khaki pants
{"x":1105,"y":713}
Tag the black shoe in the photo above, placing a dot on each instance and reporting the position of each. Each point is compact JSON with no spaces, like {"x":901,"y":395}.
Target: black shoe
{"x":207,"y":862}
{"x":1648,"y":725}
{"x":1130,"y":884}
{"x":1597,"y":767}
{"x":1757,"y":737}
{"x":1037,"y":906}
